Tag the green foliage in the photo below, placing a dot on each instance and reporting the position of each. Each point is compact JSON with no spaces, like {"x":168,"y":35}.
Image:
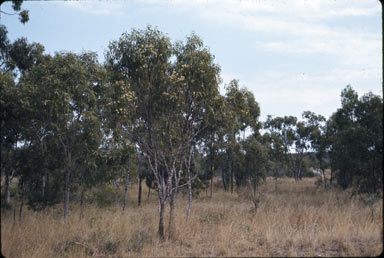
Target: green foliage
{"x":356,"y":137}
{"x":256,"y":160}
{"x":103,"y":196}
{"x":143,"y":111}
{"x":16,"y":6}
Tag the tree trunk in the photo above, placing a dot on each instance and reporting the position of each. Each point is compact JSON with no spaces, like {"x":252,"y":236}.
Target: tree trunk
{"x":68,"y":162}
{"x":189,"y":194}
{"x":324,"y":179}
{"x":126,"y":190}
{"x":188,"y":167}
{"x":232,"y":176}
{"x":149,"y":192}
{"x":139,"y":194}
{"x":223,"y":178}
{"x":22,"y":201}
{"x":14,"y":214}
{"x":82,"y":202}
{"x":254,"y":185}
{"x":7,"y":194}
{"x":6,"y":185}
{"x":161,"y":219}
{"x":43,"y":190}
{"x":276,"y":184}
{"x":171,"y":224}
{"x":212,"y":170}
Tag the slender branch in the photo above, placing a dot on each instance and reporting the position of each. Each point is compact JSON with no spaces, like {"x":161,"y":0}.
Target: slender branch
{"x":8,"y":13}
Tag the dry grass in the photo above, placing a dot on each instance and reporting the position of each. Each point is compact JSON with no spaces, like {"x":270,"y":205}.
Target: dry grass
{"x":300,"y":220}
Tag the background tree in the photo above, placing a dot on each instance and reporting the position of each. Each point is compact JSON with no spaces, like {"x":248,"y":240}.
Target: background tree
{"x":213,"y":138}
{"x":281,"y":136}
{"x":318,"y":138}
{"x":243,"y":112}
{"x":356,"y":137}
{"x":256,"y":163}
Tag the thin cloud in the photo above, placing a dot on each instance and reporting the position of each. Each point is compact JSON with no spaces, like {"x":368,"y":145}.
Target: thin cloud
{"x":97,"y":7}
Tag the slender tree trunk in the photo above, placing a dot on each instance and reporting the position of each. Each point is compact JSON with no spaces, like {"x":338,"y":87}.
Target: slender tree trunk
{"x":171,"y":224}
{"x":139,"y":194}
{"x":161,"y":219}
{"x":68,"y":163}
{"x":323,"y":173}
{"x":188,"y":167}
{"x":14,"y":215}
{"x":189,"y":195}
{"x":212,"y":168}
{"x":43,"y":190}
{"x":6,"y":185}
{"x":254,"y":187}
{"x":149,"y":192}
{"x":82,"y":202}
{"x":126,"y":190}
{"x":275,"y":184}
{"x":7,"y":194}
{"x":232,"y":176}
{"x":276,"y":175}
{"x":22,"y":201}
{"x":223,"y":178}
{"x":324,"y":179}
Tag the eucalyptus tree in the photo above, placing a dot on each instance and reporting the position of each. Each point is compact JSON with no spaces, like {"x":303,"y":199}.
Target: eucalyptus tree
{"x":10,"y":130}
{"x":302,"y":140}
{"x":61,"y":94}
{"x":213,"y":138}
{"x":17,"y":59}
{"x":317,"y":136}
{"x":356,"y":142}
{"x":169,"y":89}
{"x":281,"y":138}
{"x":242,"y":112}
{"x":256,"y":163}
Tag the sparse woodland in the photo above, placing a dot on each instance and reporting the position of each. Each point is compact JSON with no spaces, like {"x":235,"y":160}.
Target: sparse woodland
{"x":142,"y":156}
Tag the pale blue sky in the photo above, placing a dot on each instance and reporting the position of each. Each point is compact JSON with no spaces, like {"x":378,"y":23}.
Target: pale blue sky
{"x":294,"y":55}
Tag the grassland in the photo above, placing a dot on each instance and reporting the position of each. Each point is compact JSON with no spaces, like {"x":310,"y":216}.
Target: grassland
{"x":299,"y":220}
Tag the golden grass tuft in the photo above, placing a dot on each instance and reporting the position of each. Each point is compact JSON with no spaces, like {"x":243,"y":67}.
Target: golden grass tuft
{"x":299,"y":220}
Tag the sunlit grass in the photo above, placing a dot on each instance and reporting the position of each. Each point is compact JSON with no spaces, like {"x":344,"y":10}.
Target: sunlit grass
{"x":299,"y":220}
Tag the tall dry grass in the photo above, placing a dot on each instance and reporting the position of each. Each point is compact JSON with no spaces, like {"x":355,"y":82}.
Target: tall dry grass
{"x":299,"y":220}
